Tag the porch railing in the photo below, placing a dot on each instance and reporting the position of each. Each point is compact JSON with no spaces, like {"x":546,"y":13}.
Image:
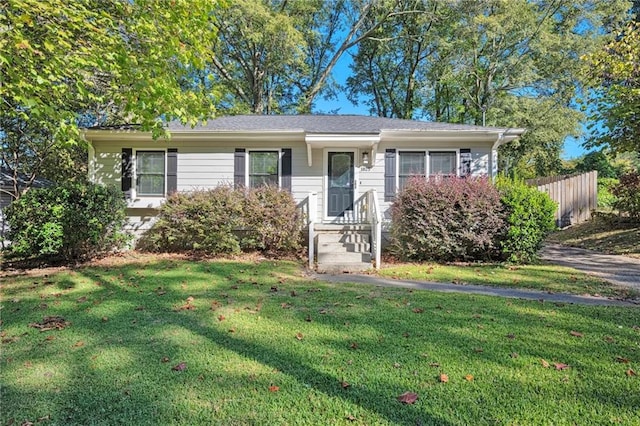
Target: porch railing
{"x":375,"y":218}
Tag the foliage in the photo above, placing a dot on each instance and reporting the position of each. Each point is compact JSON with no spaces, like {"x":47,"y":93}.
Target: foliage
{"x":606,"y":199}
{"x":197,"y":221}
{"x":627,"y":193}
{"x":615,"y":91}
{"x":263,"y":344}
{"x":96,"y":62}
{"x":68,"y":222}
{"x":598,"y":161}
{"x":509,"y":63}
{"x":446,"y":219}
{"x":529,"y":216}
{"x":226,"y":220}
{"x":272,"y":220}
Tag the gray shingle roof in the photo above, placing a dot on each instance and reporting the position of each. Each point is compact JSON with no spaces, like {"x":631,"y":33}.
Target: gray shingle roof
{"x":343,"y":124}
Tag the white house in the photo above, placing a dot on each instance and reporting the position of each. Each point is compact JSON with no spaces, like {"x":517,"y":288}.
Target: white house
{"x":343,"y":170}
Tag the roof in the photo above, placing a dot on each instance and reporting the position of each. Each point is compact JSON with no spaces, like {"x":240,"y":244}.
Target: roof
{"x":321,"y":124}
{"x":6,"y":179}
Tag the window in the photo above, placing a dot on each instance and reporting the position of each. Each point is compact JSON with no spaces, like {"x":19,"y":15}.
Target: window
{"x":442,"y":163}
{"x":411,"y":164}
{"x":150,"y":173}
{"x":263,"y":168}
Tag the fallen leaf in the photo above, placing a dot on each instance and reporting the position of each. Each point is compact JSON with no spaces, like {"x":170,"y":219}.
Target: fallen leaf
{"x":544,"y":363}
{"x":353,"y":345}
{"x":293,"y":293}
{"x":232,"y":330}
{"x":165,"y":359}
{"x":308,"y":318}
{"x":609,"y":339}
{"x":576,"y":333}
{"x":511,"y":336}
{"x":82,"y":299}
{"x":50,"y":323}
{"x":180,"y":367}
{"x":139,"y":308}
{"x":478,"y":350}
{"x":408,"y":398}
{"x":443,"y":378}
{"x":351,"y":418}
{"x":274,"y":288}
{"x":221,"y":318}
{"x":418,"y":310}
{"x":622,"y":360}
{"x":434,"y":364}
{"x":299,"y":336}
{"x":78,"y":344}
{"x":514,"y":355}
{"x":344,"y":385}
{"x":468,"y":378}
{"x":105,"y":319}
{"x":560,"y":366}
{"x":285,"y":305}
{"x":630,"y":373}
{"x":274,"y":388}
{"x":397,"y":365}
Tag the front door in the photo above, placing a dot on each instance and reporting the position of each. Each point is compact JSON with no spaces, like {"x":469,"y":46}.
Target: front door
{"x":340,"y":187}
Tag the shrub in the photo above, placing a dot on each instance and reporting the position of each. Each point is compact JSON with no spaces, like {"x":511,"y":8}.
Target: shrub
{"x":200,"y":221}
{"x":446,"y":219}
{"x":225,"y":220}
{"x":67,"y":222}
{"x":530,"y":217}
{"x":606,"y":199}
{"x":627,"y":192}
{"x":272,"y":220}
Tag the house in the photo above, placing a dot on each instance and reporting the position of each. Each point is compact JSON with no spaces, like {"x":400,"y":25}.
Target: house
{"x":343,"y":170}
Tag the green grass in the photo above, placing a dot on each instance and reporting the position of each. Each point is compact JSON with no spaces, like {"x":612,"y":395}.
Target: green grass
{"x":550,"y":278}
{"x":603,"y":234}
{"x":271,"y":326}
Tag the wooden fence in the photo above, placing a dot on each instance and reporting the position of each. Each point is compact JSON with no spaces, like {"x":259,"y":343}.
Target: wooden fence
{"x":576,"y":195}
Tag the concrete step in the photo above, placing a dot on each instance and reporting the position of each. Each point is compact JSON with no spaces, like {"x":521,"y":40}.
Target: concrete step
{"x":351,"y":237}
{"x":342,"y":268}
{"x":337,"y":247}
{"x":343,"y":257}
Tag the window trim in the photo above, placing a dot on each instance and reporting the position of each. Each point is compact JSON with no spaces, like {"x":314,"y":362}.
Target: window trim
{"x":427,"y":153}
{"x":134,"y":187}
{"x":247,"y":181}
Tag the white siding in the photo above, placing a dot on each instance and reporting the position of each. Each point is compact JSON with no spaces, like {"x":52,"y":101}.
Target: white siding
{"x":207,"y":164}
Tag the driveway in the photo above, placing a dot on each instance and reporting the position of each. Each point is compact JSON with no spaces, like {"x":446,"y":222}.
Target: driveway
{"x":619,"y":270}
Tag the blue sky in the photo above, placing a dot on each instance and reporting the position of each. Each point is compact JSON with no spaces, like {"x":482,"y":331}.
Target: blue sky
{"x":572,"y":146}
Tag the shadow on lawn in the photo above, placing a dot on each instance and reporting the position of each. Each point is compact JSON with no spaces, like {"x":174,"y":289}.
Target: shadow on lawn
{"x":145,"y":397}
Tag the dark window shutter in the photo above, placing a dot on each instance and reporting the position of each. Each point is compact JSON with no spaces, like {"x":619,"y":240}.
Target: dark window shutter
{"x":465,"y":162}
{"x":127,"y":168}
{"x":239,"y":166}
{"x":389,"y":174}
{"x":286,"y":169}
{"x":172,"y":170}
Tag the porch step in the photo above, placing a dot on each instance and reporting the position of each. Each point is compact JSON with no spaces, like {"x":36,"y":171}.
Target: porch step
{"x":343,"y":249}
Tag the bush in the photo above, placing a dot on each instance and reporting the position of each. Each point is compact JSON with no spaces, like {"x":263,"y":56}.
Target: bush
{"x":200,"y":221}
{"x":272,"y":220}
{"x":225,"y":220}
{"x":66,"y":222}
{"x":627,"y":192}
{"x":606,"y":199}
{"x":530,"y":217}
{"x":446,"y":219}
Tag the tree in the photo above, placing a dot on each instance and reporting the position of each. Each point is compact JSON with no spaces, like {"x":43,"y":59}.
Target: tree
{"x":615,"y":92}
{"x":103,"y":62}
{"x":504,"y":63}
{"x":278,"y":56}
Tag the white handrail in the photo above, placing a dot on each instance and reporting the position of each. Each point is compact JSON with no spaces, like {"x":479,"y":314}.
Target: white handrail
{"x":373,"y":212}
{"x":311,"y":220}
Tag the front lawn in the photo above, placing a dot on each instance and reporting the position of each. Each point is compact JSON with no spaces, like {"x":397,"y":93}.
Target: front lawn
{"x":550,"y":278}
{"x":175,"y":341}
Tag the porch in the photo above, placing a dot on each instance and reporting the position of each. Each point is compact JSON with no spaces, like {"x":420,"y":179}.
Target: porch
{"x":350,"y":242}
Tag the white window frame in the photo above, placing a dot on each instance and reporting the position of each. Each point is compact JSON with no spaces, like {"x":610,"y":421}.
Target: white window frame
{"x":134,"y":183}
{"x":248,"y":164}
{"x":427,"y":161}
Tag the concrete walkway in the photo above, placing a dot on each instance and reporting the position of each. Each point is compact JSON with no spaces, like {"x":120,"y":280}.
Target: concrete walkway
{"x":619,"y":270}
{"x":475,"y":289}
